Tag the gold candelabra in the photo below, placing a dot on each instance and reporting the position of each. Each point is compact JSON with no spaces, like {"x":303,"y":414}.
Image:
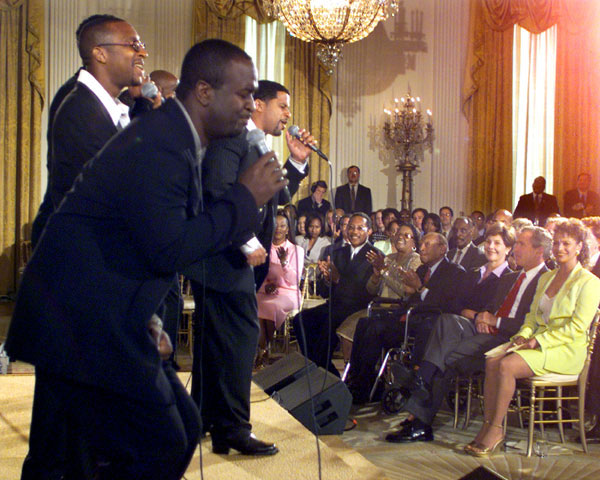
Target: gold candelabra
{"x":408,"y":135}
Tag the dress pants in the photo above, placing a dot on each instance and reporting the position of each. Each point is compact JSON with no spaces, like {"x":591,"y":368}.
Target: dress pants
{"x":226,"y":336}
{"x":104,"y":435}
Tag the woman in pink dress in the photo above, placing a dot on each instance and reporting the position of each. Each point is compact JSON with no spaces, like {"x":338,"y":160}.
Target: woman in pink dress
{"x":279,"y":293}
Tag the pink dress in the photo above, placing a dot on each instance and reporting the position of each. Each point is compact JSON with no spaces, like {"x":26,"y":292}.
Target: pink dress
{"x":285,"y":299}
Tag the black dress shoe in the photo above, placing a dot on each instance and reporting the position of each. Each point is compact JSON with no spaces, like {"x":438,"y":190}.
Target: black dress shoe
{"x":414,"y":432}
{"x":246,"y":444}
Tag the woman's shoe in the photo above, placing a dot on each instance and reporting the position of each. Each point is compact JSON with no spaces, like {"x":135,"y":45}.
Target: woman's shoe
{"x":479,"y":450}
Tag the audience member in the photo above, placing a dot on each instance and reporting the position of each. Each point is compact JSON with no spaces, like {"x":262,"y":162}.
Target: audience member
{"x":346,"y":272}
{"x":385,"y":280}
{"x":466,"y":254}
{"x":553,"y":338}
{"x":457,"y":344}
{"x":418,"y":214}
{"x":387,"y":246}
{"x":537,"y":206}
{"x":404,"y":216}
{"x":315,"y":202}
{"x":432,"y":223}
{"x":552,"y":222}
{"x":378,"y":227}
{"x":581,"y":201}
{"x":446,"y":218}
{"x":279,"y":294}
{"x":166,"y":83}
{"x":314,"y":241}
{"x":478,"y":218}
{"x":434,"y":284}
{"x":503,"y":216}
{"x":300,"y":228}
{"x":341,"y":240}
{"x":353,"y":197}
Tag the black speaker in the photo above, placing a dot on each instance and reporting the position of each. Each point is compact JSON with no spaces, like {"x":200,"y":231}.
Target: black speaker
{"x":482,"y":473}
{"x":283,"y":372}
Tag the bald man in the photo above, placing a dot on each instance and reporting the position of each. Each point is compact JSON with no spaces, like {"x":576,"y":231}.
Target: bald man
{"x":166,"y":83}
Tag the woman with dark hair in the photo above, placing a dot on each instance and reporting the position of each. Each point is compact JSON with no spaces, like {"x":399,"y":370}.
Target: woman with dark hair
{"x":300,"y":228}
{"x":279,"y":293}
{"x":314,"y":240}
{"x":432,"y":223}
{"x":385,"y":281}
{"x":553,"y":338}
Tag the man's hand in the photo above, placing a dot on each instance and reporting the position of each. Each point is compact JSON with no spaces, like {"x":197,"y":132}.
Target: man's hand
{"x":298,"y":148}
{"x":411,"y":279}
{"x":257,"y":257}
{"x":264,"y":179}
{"x":161,"y":338}
{"x":329,"y":270}
{"x":487,"y":318}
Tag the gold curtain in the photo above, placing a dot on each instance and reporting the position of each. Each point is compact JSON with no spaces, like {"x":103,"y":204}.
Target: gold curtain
{"x":487,"y":91}
{"x":21,"y":102}
{"x":310,"y":89}
{"x":304,"y":77}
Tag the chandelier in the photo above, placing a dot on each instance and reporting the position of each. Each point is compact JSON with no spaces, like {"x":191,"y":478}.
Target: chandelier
{"x":330,"y":23}
{"x":408,"y":135}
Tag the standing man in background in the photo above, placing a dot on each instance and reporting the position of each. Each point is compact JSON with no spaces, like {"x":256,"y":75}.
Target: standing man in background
{"x":582,"y":202}
{"x":353,"y":197}
{"x":537,"y":206}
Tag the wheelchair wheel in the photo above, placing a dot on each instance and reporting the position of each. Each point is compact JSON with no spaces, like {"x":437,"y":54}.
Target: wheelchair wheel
{"x":394,"y":399}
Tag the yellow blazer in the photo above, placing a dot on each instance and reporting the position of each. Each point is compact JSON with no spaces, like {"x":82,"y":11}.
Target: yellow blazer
{"x":564,"y":339}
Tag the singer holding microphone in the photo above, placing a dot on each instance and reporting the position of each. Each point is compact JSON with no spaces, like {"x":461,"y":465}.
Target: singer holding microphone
{"x":224,"y":286}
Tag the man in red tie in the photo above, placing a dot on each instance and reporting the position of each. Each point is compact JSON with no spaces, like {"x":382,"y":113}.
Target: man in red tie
{"x":457,"y":344}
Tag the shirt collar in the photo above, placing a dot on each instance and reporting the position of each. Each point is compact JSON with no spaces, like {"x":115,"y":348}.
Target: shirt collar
{"x":114,"y":106}
{"x":354,"y":251}
{"x":497,"y":271}
{"x":435,"y":265}
{"x":199,"y":148}
{"x":534,"y":271}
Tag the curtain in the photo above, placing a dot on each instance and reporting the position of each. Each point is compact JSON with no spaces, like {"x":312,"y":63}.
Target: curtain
{"x":488,"y":85}
{"x":21,"y":101}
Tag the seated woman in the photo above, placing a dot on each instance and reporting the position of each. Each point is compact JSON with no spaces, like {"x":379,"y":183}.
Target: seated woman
{"x":300,"y":228}
{"x":387,"y":246}
{"x":432,"y":223}
{"x":385,"y":281}
{"x":314,"y":240}
{"x":554,"y":336}
{"x":279,"y":293}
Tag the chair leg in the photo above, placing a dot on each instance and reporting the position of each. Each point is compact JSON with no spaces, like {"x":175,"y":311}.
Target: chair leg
{"x":531,"y":421}
{"x":520,"y":409}
{"x":559,"y":414}
{"x":379,"y":375}
{"x":540,"y":410}
{"x":456,"y":398}
{"x":468,"y":410}
{"x":581,"y":412}
{"x":345,"y":374}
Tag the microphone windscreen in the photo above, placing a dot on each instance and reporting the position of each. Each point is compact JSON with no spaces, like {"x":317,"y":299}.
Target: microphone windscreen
{"x":149,"y":90}
{"x":255,"y":136}
{"x":294,"y":131}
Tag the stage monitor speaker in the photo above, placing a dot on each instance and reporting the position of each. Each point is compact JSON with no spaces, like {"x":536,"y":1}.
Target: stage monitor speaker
{"x":482,"y":473}
{"x":332,"y":402}
{"x":283,"y":372}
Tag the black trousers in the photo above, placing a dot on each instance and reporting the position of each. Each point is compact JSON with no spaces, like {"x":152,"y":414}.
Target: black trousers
{"x":226,"y":336}
{"x":81,"y":432}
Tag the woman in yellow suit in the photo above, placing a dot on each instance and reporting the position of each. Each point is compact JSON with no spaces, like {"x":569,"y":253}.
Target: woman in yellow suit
{"x":554,"y":336}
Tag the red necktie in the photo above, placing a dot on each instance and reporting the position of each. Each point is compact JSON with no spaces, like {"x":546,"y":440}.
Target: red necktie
{"x":427,"y":276}
{"x":509,"y":301}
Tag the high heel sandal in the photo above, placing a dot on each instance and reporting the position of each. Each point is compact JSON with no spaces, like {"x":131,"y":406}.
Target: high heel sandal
{"x":476,"y":449}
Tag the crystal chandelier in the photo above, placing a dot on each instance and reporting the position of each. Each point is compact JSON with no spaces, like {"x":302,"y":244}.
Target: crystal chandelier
{"x":408,"y":135}
{"x":330,"y":23}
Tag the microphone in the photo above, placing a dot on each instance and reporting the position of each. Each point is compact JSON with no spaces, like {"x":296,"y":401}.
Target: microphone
{"x":149,"y":90}
{"x":295,"y":132}
{"x":256,"y":138}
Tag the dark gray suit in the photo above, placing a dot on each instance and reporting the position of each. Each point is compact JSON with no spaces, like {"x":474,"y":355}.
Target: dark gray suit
{"x":363,"y":202}
{"x":455,"y":345}
{"x":473,"y":257}
{"x":101,"y":269}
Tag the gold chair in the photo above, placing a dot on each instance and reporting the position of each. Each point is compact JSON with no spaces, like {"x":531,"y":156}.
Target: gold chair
{"x":541,"y":386}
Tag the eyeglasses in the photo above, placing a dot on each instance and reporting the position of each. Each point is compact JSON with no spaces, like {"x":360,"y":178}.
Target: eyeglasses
{"x":405,"y":236}
{"x":136,"y":45}
{"x":352,"y":228}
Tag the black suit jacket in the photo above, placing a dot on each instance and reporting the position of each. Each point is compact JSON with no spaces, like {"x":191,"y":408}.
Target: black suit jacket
{"x":592,"y":204}
{"x":473,"y":257}
{"x":511,"y":325}
{"x":363,"y":202}
{"x":306,"y":206}
{"x":476,"y":296}
{"x":447,"y":280}
{"x":526,"y":208}
{"x":229,"y":271}
{"x":109,"y":255}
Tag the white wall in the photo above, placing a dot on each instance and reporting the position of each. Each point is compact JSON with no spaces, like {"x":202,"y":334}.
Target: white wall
{"x":385,"y":65}
{"x":164,"y":25}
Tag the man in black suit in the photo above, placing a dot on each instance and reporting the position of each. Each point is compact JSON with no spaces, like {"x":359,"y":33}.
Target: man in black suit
{"x":347,"y":272}
{"x":537,"y":206}
{"x":84,"y":314}
{"x":457,"y":344}
{"x":315,"y":203}
{"x":434,"y":284}
{"x":224,"y":285}
{"x":465,"y":254}
{"x":353,"y":197}
{"x":581,"y":202}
